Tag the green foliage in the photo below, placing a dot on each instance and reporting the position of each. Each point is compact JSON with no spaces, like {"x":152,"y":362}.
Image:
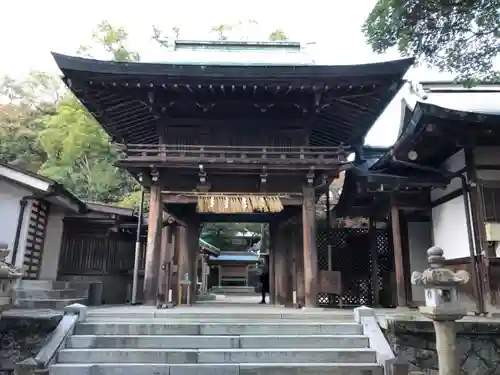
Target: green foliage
{"x":27,"y":103}
{"x":458,"y":36}
{"x":226,"y":30}
{"x":133,"y":200}
{"x":278,"y":35}
{"x":113,"y":40}
{"x":79,"y":154}
{"x":46,"y":130}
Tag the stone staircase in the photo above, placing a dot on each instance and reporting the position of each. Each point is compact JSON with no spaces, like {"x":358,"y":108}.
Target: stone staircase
{"x":47,"y":294}
{"x":249,"y":344}
{"x":236,"y":290}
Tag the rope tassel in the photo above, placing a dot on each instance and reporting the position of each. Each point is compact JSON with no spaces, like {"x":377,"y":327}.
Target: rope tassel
{"x":224,"y":204}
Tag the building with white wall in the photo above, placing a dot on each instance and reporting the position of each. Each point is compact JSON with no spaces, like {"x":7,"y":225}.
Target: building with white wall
{"x":439,"y":184}
{"x":462,"y":124}
{"x":32,"y":209}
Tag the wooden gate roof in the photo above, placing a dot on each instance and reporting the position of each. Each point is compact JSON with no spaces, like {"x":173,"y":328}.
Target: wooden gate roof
{"x":433,"y":134}
{"x":339,"y":103}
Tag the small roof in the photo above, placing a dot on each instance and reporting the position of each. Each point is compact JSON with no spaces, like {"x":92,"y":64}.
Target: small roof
{"x":204,"y":245}
{"x":109,"y":209}
{"x":44,"y":187}
{"x":362,"y":184}
{"x":243,"y":257}
{"x":435,"y":133}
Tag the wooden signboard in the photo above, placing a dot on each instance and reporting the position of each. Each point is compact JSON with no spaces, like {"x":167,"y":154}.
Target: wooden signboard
{"x":330,"y":282}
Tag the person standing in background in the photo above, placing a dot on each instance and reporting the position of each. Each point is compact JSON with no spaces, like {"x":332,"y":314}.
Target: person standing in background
{"x":264,"y":284}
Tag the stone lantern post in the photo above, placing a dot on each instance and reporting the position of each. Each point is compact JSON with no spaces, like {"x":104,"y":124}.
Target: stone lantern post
{"x":8,"y":276}
{"x":442,"y":307}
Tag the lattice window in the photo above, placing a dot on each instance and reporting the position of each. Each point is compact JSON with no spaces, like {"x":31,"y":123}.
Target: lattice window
{"x":351,"y":254}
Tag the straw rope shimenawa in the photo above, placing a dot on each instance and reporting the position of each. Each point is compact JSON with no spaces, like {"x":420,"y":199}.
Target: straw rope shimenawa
{"x":224,"y":203}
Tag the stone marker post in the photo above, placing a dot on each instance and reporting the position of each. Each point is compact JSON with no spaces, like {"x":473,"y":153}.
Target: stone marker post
{"x":442,"y":307}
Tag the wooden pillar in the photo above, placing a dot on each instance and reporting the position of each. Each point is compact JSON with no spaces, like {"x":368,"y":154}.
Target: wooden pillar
{"x":273,"y":286}
{"x":310,"y":250}
{"x":205,"y":269}
{"x":280,"y":265}
{"x":375,"y":281}
{"x":183,"y":268}
{"x":299,"y":267}
{"x":193,"y":241}
{"x":151,"y":267}
{"x":398,"y":258}
{"x":165,"y":265}
{"x":289,"y":267}
{"x":271,"y":270}
{"x":482,"y":249}
{"x":477,"y":206}
{"x":174,"y":277}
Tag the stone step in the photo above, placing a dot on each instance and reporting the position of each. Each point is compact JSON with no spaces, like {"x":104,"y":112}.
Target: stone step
{"x":217,"y":369}
{"x":260,"y":314}
{"x":237,"y":356}
{"x":163,"y":314}
{"x":44,"y":284}
{"x":55,"y":304}
{"x":50,"y":294}
{"x":219,"y":342}
{"x":234,"y":290}
{"x":177,"y":321}
{"x":217,"y":329}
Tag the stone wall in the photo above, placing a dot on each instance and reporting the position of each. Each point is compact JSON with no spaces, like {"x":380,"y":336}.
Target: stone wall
{"x":478,"y":345}
{"x":23,"y":337}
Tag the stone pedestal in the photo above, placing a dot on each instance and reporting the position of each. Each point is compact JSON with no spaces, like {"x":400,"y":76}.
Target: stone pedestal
{"x":442,"y":307}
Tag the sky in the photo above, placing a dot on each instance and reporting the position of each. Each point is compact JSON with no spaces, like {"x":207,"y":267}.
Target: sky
{"x":31,"y":29}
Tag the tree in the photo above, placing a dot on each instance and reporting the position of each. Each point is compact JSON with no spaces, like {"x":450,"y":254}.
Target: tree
{"x":225,"y":30}
{"x":26,"y":103}
{"x":458,"y":36}
{"x":278,"y":35}
{"x":113,"y":40}
{"x":78,"y":150}
{"x":45,"y":129}
{"x":163,"y":40}
{"x":79,"y":154}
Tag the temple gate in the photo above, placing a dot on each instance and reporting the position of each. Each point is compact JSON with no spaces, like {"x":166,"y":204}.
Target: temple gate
{"x":242,"y":142}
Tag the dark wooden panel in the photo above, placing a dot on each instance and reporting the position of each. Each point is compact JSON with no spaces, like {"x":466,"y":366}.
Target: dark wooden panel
{"x":95,"y":249}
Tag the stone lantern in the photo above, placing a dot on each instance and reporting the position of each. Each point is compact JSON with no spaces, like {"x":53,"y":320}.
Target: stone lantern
{"x":442,"y":306}
{"x":8,"y":276}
